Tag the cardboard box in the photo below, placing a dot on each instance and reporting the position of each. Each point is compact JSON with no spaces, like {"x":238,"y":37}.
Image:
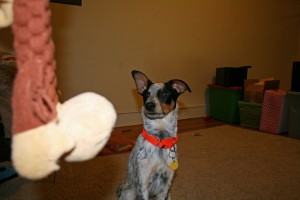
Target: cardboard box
{"x":254,"y":92}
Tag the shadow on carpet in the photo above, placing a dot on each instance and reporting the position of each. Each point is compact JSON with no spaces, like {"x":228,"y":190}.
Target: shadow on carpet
{"x":117,"y":144}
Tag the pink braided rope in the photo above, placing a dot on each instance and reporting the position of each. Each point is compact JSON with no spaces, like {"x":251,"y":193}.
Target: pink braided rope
{"x":34,"y":97}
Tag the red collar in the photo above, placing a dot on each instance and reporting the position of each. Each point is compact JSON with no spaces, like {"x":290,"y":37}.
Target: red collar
{"x":165,"y":143}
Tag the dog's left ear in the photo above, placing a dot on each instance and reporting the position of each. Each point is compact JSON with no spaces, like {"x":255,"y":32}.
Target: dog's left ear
{"x":179,"y":85}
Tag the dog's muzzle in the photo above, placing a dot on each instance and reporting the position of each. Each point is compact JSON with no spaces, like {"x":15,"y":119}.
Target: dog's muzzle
{"x":151,"y":112}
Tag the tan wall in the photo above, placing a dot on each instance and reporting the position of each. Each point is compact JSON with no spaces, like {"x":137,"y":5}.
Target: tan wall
{"x":98,"y":44}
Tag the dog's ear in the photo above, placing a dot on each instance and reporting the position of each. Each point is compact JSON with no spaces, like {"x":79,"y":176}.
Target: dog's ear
{"x":142,"y":82}
{"x":179,"y":85}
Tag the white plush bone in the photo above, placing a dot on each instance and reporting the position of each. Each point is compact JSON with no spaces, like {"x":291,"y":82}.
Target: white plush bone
{"x":89,"y":119}
{"x":82,"y":127}
{"x":6,"y":13}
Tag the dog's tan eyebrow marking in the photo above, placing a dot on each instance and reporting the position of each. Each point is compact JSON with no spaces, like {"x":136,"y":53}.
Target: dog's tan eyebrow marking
{"x":166,"y":108}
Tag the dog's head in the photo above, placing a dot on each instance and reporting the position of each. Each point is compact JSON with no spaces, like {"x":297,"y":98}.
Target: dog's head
{"x":159,"y":98}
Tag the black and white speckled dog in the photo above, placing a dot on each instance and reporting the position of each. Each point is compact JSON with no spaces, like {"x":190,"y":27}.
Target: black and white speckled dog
{"x":153,"y":160}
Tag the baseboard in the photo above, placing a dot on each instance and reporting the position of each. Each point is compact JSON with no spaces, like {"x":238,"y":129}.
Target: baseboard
{"x":134,"y":118}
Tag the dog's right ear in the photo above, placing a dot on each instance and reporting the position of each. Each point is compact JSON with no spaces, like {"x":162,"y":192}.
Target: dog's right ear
{"x":142,"y":82}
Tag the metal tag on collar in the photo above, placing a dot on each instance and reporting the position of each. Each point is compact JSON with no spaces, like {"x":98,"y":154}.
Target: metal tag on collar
{"x":174,"y":165}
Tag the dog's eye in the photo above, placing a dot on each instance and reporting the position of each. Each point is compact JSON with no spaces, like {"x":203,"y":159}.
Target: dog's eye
{"x":163,"y":94}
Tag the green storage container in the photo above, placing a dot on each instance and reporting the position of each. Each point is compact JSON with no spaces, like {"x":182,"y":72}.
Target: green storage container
{"x":250,"y":114}
{"x":223,"y":103}
{"x":294,"y":114}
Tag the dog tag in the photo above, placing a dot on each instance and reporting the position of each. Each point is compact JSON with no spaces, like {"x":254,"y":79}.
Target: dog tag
{"x":173,"y":165}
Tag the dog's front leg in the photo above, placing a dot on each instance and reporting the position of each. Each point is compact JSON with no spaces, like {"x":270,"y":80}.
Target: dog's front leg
{"x":165,"y":194}
{"x":144,"y":174}
{"x":142,"y":193}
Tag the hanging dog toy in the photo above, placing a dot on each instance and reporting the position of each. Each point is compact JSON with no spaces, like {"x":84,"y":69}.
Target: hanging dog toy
{"x":43,"y":129}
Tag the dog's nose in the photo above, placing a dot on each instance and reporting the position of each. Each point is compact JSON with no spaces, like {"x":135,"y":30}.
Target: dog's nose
{"x":150,"y":106}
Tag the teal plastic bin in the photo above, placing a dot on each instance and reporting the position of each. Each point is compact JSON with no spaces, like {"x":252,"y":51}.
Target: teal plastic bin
{"x":250,"y":114}
{"x":223,"y":103}
{"x":294,"y":114}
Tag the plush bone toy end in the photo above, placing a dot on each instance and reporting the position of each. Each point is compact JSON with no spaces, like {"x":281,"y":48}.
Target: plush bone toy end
{"x":89,"y":119}
{"x":36,"y":151}
{"x":83,"y":126}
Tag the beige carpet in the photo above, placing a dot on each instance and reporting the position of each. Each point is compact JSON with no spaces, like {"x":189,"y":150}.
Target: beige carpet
{"x":224,"y":162}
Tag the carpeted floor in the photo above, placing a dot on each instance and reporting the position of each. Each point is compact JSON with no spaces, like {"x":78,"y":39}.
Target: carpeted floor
{"x":224,"y":162}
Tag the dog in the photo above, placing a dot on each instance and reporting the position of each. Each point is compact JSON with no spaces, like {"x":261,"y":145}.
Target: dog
{"x":153,"y":160}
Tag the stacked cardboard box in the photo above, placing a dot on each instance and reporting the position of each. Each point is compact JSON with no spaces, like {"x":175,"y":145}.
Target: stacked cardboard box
{"x":254,"y":89}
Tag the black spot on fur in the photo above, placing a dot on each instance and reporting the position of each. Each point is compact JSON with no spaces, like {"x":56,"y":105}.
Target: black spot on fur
{"x":165,"y":96}
{"x":164,"y":178}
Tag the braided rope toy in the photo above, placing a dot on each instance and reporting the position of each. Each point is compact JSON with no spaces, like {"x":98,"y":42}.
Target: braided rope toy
{"x":44,"y":129}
